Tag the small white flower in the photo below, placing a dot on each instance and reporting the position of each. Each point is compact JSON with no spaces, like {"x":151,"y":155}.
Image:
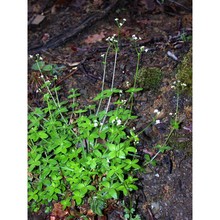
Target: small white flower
{"x":41,"y":76}
{"x":142,"y":48}
{"x":173,"y":87}
{"x":140,"y":38}
{"x":124,"y":101}
{"x":40,"y":58}
{"x":134,"y":128}
{"x":101,"y":123}
{"x":116,"y":19}
{"x":30,"y":56}
{"x":95,"y":124}
{"x":157,"y":175}
{"x":183,"y":84}
{"x":124,"y":19}
{"x":157,"y":111}
{"x":120,"y":91}
{"x":103,"y":55}
{"x":157,"y":122}
{"x":120,"y":24}
{"x":118,"y":122}
{"x":146,"y":50}
{"x":127,"y":83}
{"x":170,"y":113}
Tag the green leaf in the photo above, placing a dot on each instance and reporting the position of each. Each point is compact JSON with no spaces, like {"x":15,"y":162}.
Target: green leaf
{"x":38,"y":66}
{"x":106,"y":94}
{"x":111,"y":147}
{"x":131,"y":149}
{"x":121,"y":154}
{"x":132,"y":90}
{"x":42,"y":134}
{"x":113,"y":193}
{"x":112,"y":154}
{"x":48,"y":67}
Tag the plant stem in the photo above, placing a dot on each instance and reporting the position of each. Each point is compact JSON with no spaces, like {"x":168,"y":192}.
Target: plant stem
{"x":113,"y":78}
{"x":103,"y":79}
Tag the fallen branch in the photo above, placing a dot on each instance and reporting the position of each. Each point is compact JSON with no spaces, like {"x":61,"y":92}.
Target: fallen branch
{"x":67,"y":35}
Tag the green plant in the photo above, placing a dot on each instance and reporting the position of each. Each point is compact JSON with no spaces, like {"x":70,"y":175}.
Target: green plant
{"x":129,"y":212}
{"x":80,"y":153}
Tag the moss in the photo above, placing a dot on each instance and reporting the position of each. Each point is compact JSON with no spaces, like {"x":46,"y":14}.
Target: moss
{"x":184,"y":72}
{"x":149,"y":78}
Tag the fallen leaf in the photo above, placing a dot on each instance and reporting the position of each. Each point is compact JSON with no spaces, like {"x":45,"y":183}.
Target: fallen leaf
{"x":94,"y":38}
{"x":38,"y":19}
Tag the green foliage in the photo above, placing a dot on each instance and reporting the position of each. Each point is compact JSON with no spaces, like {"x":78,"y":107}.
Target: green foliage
{"x":87,"y":158}
{"x":184,"y":73}
{"x":129,"y":213}
{"x":149,"y":78}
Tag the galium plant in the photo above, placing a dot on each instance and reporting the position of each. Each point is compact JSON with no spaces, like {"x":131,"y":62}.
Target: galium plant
{"x":83,"y":154}
{"x":80,"y":154}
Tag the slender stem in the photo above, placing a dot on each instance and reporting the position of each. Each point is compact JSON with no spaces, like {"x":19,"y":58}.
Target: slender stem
{"x":103,"y":79}
{"x":113,"y":78}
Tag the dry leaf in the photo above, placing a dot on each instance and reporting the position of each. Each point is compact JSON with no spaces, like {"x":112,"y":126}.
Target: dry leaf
{"x":94,"y":38}
{"x":38,"y":19}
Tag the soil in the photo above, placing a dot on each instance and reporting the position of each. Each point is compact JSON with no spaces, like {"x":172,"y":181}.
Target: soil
{"x":165,"y":191}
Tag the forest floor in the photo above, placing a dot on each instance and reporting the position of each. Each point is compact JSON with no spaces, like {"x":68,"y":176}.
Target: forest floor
{"x":165,"y":191}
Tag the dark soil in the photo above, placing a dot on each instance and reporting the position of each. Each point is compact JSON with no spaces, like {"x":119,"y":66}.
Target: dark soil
{"x":165,"y":191}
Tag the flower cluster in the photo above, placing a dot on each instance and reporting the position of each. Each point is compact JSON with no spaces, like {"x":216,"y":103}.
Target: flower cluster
{"x":112,"y":39}
{"x":178,"y":82}
{"x":117,"y":120}
{"x":120,"y":24}
{"x":96,"y":123}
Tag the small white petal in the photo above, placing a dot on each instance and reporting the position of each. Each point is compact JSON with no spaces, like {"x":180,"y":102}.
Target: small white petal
{"x":157,"y":122}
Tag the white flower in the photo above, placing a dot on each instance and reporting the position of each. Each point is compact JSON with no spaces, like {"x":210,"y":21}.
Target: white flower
{"x":157,"y":175}
{"x":30,"y":56}
{"x":116,"y":19}
{"x":101,"y":123}
{"x":103,"y":55}
{"x":134,"y":128}
{"x":157,"y":111}
{"x":172,"y":87}
{"x":124,"y":19}
{"x":124,"y":101}
{"x":142,"y":48}
{"x":95,"y":124}
{"x":157,"y":122}
{"x":134,"y":37}
{"x":139,"y":38}
{"x":120,"y":24}
{"x":118,"y":122}
{"x":183,"y":84}
{"x":40,"y":58}
{"x":170,"y":113}
{"x":127,"y":83}
{"x":146,"y":50}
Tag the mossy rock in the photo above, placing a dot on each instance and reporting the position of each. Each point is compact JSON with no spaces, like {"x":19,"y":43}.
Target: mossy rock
{"x":184,"y":72}
{"x":149,"y":78}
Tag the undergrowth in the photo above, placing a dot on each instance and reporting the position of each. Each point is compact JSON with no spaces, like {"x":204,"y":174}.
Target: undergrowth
{"x":85,"y":155}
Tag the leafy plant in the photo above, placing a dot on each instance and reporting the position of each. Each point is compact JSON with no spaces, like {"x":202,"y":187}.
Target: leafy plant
{"x":79,"y":154}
